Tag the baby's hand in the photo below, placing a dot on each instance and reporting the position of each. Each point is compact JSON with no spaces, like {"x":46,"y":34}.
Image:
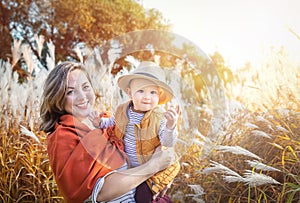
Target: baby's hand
{"x":172,"y":116}
{"x":95,"y":118}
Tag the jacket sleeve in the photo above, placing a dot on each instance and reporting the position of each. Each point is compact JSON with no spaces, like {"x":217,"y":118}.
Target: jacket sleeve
{"x":161,"y":179}
{"x":78,"y":162}
{"x":107,"y":122}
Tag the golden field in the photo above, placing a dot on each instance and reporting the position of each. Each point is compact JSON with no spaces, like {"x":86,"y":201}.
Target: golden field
{"x":253,"y":158}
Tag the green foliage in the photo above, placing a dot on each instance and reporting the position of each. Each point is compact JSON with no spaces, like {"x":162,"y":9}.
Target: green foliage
{"x":294,"y":189}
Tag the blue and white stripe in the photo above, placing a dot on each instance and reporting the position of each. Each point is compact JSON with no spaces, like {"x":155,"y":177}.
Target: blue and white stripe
{"x":125,"y":198}
{"x":167,"y":137}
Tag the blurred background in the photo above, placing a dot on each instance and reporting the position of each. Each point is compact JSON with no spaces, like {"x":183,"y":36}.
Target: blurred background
{"x":253,"y":47}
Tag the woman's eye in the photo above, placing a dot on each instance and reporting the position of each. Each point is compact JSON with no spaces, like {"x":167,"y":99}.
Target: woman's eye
{"x":70,"y":92}
{"x":86,"y":87}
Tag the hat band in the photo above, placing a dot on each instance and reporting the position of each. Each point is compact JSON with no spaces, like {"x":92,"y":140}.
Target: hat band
{"x":147,"y":74}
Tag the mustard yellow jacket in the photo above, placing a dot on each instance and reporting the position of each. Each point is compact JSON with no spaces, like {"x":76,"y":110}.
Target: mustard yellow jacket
{"x":147,"y":140}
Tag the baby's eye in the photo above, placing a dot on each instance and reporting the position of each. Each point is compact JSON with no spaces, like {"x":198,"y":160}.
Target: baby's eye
{"x":154,"y":92}
{"x":140,"y":91}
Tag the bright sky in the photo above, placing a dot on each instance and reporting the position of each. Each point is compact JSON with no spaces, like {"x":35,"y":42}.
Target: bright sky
{"x":241,"y":30}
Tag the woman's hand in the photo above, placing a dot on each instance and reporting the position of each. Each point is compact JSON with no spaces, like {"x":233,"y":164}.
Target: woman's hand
{"x":162,"y":158}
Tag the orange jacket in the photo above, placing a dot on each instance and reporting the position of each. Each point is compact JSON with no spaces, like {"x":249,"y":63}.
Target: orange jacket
{"x":79,"y":157}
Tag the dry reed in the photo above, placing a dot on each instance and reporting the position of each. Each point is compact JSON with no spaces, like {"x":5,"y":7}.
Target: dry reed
{"x":265,"y":128}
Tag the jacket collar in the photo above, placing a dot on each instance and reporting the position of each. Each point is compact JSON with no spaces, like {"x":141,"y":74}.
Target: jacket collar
{"x":70,"y":121}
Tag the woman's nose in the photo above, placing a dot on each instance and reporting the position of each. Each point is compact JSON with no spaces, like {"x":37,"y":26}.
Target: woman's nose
{"x":81,"y":94}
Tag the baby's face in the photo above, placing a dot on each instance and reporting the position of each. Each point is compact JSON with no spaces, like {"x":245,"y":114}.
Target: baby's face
{"x":144,"y":98}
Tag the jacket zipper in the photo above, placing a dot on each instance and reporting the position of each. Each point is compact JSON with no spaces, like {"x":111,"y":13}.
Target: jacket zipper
{"x":140,"y":144}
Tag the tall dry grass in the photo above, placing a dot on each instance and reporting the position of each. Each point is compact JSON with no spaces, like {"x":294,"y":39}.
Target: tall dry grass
{"x":253,"y":158}
{"x":25,"y":172}
{"x":256,"y":161}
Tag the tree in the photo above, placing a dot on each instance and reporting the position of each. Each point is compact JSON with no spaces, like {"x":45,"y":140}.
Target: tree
{"x":68,"y":23}
{"x":224,"y":72}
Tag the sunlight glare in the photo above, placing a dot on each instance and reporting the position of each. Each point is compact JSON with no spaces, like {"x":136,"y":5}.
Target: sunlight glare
{"x":240,"y":30}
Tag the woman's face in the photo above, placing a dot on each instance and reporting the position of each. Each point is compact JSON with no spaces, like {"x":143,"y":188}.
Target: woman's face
{"x":80,"y":96}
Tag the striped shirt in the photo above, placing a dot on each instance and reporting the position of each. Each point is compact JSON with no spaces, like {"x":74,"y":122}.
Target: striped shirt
{"x":125,"y":198}
{"x":167,"y":137}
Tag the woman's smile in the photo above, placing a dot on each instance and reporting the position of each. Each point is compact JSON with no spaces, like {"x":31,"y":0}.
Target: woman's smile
{"x":83,"y":105}
{"x":80,"y":96}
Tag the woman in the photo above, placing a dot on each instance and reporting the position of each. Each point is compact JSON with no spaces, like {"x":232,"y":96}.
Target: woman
{"x":83,"y":159}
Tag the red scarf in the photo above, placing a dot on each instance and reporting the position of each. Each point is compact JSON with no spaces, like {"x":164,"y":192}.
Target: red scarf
{"x":80,"y":156}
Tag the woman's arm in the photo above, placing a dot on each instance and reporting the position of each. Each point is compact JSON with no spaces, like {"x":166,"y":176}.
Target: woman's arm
{"x":118,"y":183}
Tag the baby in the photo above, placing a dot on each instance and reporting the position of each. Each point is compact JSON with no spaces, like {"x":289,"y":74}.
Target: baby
{"x":141,"y":124}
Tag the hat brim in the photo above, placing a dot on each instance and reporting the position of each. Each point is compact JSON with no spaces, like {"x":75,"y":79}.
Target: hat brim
{"x":166,"y":96}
